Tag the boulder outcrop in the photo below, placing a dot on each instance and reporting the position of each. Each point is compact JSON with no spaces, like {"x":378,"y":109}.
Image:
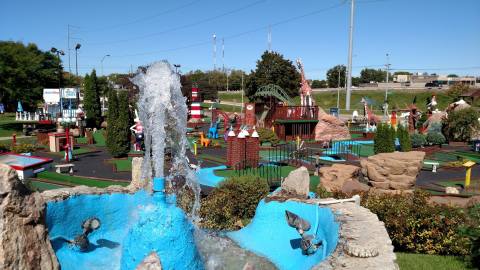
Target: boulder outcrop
{"x":341,"y":177}
{"x":393,"y":172}
{"x":24,"y":242}
{"x":297,"y":182}
{"x":330,"y":127}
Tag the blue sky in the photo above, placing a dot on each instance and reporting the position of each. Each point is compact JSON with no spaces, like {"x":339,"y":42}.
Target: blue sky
{"x":429,"y":35}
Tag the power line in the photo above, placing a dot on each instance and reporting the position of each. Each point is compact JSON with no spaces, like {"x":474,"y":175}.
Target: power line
{"x":182,"y":26}
{"x":142,"y":19}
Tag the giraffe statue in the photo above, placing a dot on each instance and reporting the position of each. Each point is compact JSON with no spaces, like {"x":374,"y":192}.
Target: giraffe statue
{"x":372,"y":119}
{"x":305,"y":91}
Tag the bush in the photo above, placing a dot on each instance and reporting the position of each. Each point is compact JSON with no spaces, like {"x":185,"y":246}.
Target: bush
{"x":471,"y":230}
{"x":384,"y":140}
{"x":234,"y":200}
{"x":404,"y":139}
{"x":461,"y":124}
{"x":436,"y":138}
{"x":456,"y":90}
{"x":24,"y":148}
{"x":416,"y":226}
{"x":267,"y":135}
{"x":418,"y":140}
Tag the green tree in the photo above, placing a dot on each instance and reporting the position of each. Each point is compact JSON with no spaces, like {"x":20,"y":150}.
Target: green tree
{"x":452,"y":76}
{"x":384,"y":140}
{"x":91,"y":100}
{"x":112,"y":117}
{"x":336,"y":76}
{"x":319,"y":84}
{"x":456,"y":90}
{"x":118,"y":135}
{"x":123,"y":123}
{"x":462,"y":124}
{"x":402,"y":73}
{"x":272,"y":68}
{"x":372,"y":75}
{"x":24,"y":72}
{"x":404,"y":139}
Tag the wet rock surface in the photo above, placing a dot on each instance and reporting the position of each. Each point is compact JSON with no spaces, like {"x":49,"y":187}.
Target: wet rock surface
{"x":24,"y":242}
{"x":151,"y":262}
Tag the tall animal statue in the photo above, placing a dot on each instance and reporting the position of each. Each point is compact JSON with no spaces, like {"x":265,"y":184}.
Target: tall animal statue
{"x":305,"y":91}
{"x":371,"y":118}
{"x":213,"y":130}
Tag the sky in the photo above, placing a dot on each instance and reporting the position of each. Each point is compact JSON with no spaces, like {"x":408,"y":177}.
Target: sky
{"x":436,"y":36}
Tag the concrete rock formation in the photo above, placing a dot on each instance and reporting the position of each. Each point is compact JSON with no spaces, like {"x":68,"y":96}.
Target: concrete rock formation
{"x":297,"y":182}
{"x":393,"y":172}
{"x":24,"y":242}
{"x":330,"y":127}
{"x":151,"y":262}
{"x":341,"y":177}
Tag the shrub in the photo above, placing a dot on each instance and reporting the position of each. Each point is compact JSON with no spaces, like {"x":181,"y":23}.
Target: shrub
{"x":24,"y":148}
{"x":418,"y":140}
{"x":267,"y":135}
{"x":435,"y":138}
{"x":4,"y":148}
{"x":234,"y":200}
{"x":471,"y":230}
{"x":456,"y":90}
{"x":404,"y":138}
{"x":416,"y":226}
{"x":461,"y":124}
{"x":384,"y":140}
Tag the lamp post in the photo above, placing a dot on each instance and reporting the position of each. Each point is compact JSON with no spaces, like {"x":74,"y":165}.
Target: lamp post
{"x":58,"y":53}
{"x":77,"y":47}
{"x":176,"y":67}
{"x":103,"y":101}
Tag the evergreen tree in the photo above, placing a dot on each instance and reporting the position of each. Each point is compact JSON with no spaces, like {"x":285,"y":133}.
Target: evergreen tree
{"x":123,"y":124}
{"x":112,"y":116}
{"x":404,"y":138}
{"x":91,"y":100}
{"x":384,"y":140}
{"x":390,"y":140}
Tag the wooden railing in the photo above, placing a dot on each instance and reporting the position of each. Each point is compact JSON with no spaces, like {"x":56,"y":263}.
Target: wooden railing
{"x":295,"y":113}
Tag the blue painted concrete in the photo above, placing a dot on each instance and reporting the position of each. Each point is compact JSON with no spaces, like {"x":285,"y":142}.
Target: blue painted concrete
{"x":132,"y":226}
{"x":269,"y":234}
{"x":207,"y":177}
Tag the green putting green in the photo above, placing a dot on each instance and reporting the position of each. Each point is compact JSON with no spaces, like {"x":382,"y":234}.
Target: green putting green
{"x":99,"y":138}
{"x":122,"y":165}
{"x":78,"y":180}
{"x":41,"y":186}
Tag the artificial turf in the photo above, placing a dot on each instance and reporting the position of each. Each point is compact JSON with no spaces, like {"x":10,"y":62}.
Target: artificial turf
{"x":122,"y":165}
{"x":409,"y":261}
{"x":41,"y":186}
{"x":99,"y":138}
{"x":77,"y":180}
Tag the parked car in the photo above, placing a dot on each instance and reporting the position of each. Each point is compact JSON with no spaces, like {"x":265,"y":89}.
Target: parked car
{"x":434,"y":84}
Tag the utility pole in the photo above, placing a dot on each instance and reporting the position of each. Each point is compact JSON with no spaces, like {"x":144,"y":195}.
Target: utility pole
{"x":241,"y":110}
{"x":269,"y":38}
{"x":68,"y":45}
{"x":223,"y":56}
{"x":350,"y":49}
{"x":387,"y":66}
{"x":214,"y":52}
{"x":338,"y":89}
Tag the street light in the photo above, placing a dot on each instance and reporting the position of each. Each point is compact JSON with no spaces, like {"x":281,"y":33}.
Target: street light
{"x":103,"y":101}
{"x":77,"y":47}
{"x":58,"y":53}
{"x":176,"y":67}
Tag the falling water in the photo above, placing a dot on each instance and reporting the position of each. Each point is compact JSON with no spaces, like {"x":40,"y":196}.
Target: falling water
{"x":163,"y":111}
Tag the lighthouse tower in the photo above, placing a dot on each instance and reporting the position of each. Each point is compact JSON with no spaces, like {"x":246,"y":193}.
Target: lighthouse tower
{"x":195,"y":108}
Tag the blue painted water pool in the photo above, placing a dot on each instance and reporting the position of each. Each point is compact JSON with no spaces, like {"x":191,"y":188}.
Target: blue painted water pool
{"x":207,"y":177}
{"x":132,"y":226}
{"x":269,"y":234}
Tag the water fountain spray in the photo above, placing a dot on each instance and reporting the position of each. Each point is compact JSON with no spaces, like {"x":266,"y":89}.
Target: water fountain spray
{"x":163,"y":111}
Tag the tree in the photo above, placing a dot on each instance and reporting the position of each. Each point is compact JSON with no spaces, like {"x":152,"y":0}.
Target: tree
{"x":456,"y":90}
{"x":452,"y":76}
{"x":91,"y":100}
{"x":402,"y":73}
{"x":336,"y":73}
{"x":24,"y":72}
{"x":404,"y":139}
{"x":118,"y":134}
{"x":372,"y":75}
{"x":462,"y":124}
{"x":319,"y":84}
{"x":272,"y":68}
{"x":384,"y":140}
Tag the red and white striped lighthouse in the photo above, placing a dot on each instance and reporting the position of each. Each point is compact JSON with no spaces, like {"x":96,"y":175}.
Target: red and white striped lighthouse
{"x":195,"y":108}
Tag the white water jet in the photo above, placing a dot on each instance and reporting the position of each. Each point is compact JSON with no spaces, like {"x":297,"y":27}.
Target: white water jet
{"x":163,"y":112}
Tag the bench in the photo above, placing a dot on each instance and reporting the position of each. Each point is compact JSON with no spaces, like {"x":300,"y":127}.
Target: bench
{"x":63,"y":168}
{"x":434,"y":165}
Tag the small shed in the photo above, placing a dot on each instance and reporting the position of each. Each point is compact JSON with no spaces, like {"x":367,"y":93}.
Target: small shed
{"x":471,"y":96}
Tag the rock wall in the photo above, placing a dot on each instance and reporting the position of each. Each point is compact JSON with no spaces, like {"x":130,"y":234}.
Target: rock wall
{"x":330,"y":127}
{"x":393,"y":172}
{"x":341,"y":177}
{"x":24,"y":242}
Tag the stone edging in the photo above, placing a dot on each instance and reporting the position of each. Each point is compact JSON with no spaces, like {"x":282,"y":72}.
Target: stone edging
{"x":363,"y":240}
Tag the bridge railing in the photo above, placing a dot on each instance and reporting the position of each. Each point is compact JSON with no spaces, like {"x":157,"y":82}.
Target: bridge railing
{"x":296,"y":113}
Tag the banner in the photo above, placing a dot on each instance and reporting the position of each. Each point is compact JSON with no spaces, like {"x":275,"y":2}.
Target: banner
{"x":51,"y":96}
{"x":69,"y":93}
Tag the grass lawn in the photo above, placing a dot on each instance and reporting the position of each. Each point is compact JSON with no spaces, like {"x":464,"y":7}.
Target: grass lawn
{"x":81,"y":140}
{"x":409,"y":261}
{"x":77,"y":180}
{"x":41,"y":186}
{"x":8,"y":125}
{"x":398,"y":98}
{"x":223,"y":107}
{"x":122,"y":165}
{"x":99,"y":138}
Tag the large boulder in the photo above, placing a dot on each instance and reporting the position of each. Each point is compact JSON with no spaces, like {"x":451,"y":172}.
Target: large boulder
{"x":151,"y":262}
{"x":24,"y":242}
{"x":297,"y":182}
{"x":334,"y":177}
{"x":330,"y":127}
{"x":393,"y":171}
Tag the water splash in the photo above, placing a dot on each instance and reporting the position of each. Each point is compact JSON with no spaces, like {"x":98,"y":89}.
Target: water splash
{"x":163,"y":111}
